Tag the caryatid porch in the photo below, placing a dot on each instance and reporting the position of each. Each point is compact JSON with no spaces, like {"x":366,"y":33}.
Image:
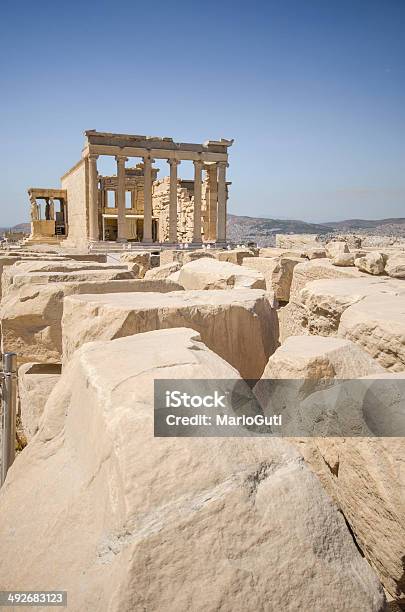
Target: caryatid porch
{"x":47,"y":222}
{"x":212,"y":156}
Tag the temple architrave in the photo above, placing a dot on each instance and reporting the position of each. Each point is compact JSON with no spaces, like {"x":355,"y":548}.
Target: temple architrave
{"x":134,"y":205}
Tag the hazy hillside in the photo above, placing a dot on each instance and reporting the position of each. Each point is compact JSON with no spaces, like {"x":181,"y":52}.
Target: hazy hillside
{"x":351,"y":224}
{"x":263,"y":231}
{"x":20,"y":227}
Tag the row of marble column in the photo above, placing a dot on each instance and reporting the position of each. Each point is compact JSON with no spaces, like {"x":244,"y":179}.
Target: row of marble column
{"x":147,"y":221}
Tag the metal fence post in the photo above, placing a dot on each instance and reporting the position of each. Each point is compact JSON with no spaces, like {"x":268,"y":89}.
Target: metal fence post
{"x":9,"y":401}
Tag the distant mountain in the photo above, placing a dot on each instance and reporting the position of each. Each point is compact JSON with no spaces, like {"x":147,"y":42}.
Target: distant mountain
{"x":263,"y":231}
{"x":351,"y":224}
{"x":21,"y":227}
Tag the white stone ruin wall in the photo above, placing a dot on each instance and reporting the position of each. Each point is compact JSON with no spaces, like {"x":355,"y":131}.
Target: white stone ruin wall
{"x":185,"y":210}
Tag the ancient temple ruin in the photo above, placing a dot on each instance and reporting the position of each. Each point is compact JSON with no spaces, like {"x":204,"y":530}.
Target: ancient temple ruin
{"x":134,"y":205}
{"x":47,"y":223}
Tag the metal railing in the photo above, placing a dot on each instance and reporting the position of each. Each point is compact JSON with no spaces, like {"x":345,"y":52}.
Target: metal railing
{"x":8,"y":378}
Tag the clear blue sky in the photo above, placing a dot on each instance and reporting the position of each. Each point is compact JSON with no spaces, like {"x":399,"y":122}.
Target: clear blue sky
{"x":313,"y":92}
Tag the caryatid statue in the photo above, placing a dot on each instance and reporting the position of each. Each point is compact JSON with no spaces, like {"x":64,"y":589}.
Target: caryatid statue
{"x":34,"y":210}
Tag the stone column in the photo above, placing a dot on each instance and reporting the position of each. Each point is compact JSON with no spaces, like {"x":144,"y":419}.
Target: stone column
{"x":212,"y":196}
{"x":197,"y":201}
{"x":221,"y":211}
{"x":93,"y":198}
{"x":173,"y":200}
{"x":121,"y":225}
{"x":51,"y":209}
{"x":147,"y":206}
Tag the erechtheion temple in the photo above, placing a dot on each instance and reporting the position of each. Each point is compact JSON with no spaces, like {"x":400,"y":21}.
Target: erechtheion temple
{"x":134,"y":205}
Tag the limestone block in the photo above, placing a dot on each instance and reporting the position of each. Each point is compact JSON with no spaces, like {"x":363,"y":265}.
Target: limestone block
{"x":240,"y":325}
{"x":35,"y":383}
{"x":324,"y":301}
{"x":395,"y":266}
{"x":343,"y":259}
{"x":275,"y":252}
{"x":31,"y":315}
{"x":318,"y":269}
{"x":243,"y":519}
{"x":297,"y":241}
{"x":38,"y":265}
{"x":164,"y":271}
{"x":353,"y":241}
{"x":377,"y":323}
{"x":315,"y":253}
{"x":311,"y":363}
{"x":373,"y":263}
{"x":209,"y":273}
{"x":234,"y":256}
{"x":277,"y":272}
{"x":139,"y":261}
{"x":365,"y":477}
{"x":43,"y":278}
{"x":184,"y":255}
{"x":98,"y":257}
{"x":292,"y":321}
{"x":174,"y":277}
{"x":317,"y":308}
{"x":315,"y":359}
{"x":335,"y":248}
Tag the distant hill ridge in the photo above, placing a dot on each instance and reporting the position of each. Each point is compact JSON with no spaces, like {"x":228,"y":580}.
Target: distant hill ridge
{"x":20,"y":227}
{"x":263,"y":231}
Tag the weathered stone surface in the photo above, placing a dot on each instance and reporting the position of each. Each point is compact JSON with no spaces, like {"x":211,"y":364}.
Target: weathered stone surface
{"x":162,"y":272}
{"x":315,"y":253}
{"x":318,"y":269}
{"x":377,"y":323}
{"x":315,"y":358}
{"x":365,"y":477}
{"x":335,"y":248}
{"x":395,"y":265}
{"x":277,"y":272}
{"x":235,"y":256}
{"x":343,"y":259}
{"x":43,"y":278}
{"x":137,"y":513}
{"x":275,"y":252}
{"x":174,"y":277}
{"x":209,"y":273}
{"x":31,"y":315}
{"x":297,"y":241}
{"x":35,"y":383}
{"x":25,"y":267}
{"x":311,"y":363}
{"x":10,"y":260}
{"x":292,"y":320}
{"x":240,"y":325}
{"x":324,"y":301}
{"x":100,"y":257}
{"x":317,"y":308}
{"x":373,"y":263}
{"x":140,"y":261}
{"x":184,"y":255}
